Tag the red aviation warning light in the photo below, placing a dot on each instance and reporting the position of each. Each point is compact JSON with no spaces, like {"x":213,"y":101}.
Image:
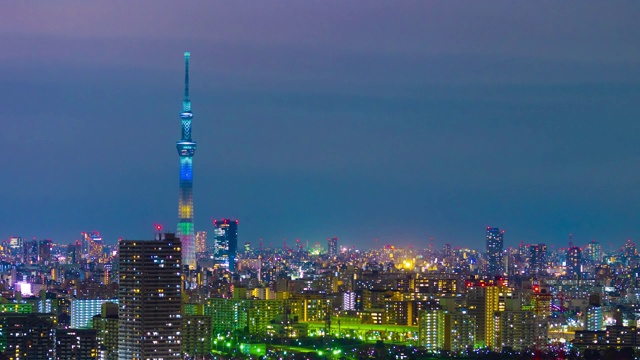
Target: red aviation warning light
{"x":158,"y":227}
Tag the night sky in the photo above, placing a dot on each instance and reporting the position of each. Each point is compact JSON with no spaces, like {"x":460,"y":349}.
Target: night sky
{"x":395,"y":120}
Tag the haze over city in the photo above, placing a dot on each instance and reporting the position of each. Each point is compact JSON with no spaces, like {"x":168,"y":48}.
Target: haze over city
{"x":364,"y":120}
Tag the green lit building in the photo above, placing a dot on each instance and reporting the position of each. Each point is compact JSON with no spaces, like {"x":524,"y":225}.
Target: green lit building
{"x":106,"y":326}
{"x":196,"y":335}
{"x":251,"y":316}
{"x":27,"y":336}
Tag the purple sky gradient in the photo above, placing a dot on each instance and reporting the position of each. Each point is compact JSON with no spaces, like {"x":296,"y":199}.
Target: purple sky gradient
{"x":396,"y":120}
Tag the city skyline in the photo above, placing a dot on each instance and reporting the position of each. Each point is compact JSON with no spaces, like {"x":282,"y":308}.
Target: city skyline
{"x":337,"y":120}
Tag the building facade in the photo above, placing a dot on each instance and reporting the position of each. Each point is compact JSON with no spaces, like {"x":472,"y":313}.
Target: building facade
{"x":226,"y":242}
{"x":495,"y":247}
{"x":150,"y":299}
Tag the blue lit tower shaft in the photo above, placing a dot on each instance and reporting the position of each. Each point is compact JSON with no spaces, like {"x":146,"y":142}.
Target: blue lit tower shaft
{"x":186,"y":149}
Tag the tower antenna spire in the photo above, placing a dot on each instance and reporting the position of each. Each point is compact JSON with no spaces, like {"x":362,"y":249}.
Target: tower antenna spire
{"x":186,"y":103}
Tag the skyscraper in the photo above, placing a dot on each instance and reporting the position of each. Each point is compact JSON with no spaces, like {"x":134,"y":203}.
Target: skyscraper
{"x":226,"y":242}
{"x":537,"y":258}
{"x":150,"y":299}
{"x":574,"y":262}
{"x":333,"y":246}
{"x":494,"y":251}
{"x":186,"y":149}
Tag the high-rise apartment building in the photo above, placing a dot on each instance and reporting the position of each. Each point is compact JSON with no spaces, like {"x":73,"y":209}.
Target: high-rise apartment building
{"x":106,"y":326}
{"x":484,"y":301}
{"x":150,"y":299}
{"x":226,"y":242}
{"x":92,"y":246}
{"x":495,"y":248}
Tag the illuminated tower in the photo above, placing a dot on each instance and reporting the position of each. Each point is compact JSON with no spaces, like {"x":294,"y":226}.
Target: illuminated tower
{"x":186,"y":149}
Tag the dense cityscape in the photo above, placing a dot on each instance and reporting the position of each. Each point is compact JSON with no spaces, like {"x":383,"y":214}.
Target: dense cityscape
{"x":88,"y":300}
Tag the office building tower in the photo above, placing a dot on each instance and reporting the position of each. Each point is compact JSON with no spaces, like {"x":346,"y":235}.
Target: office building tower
{"x":91,"y":246}
{"x":15,"y":245}
{"x":594,"y":252}
{"x":150,"y":299}
{"x":537,"y":258}
{"x":226,"y":242}
{"x":574,"y":262}
{"x":76,"y":344}
{"x":332,"y":249}
{"x":495,"y":247}
{"x":30,"y":252}
{"x":201,"y":242}
{"x":44,"y":252}
{"x":95,"y":247}
{"x":186,"y":149}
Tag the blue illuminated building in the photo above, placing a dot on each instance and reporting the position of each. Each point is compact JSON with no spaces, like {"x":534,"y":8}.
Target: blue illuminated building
{"x":186,"y":149}
{"x":495,"y":247}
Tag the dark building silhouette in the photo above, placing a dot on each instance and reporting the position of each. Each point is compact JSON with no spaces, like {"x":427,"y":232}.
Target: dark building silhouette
{"x":495,"y":247}
{"x":28,"y":336}
{"x":574,"y":262}
{"x":537,"y":258}
{"x":76,"y":344}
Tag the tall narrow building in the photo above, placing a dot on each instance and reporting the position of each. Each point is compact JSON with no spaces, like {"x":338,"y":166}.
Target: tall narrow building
{"x":226,"y":243}
{"x":495,"y":246}
{"x":150,"y":299}
{"x":333,"y":246}
{"x":186,"y":150}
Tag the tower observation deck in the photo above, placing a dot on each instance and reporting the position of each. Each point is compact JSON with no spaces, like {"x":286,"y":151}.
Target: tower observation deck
{"x":186,"y":149}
